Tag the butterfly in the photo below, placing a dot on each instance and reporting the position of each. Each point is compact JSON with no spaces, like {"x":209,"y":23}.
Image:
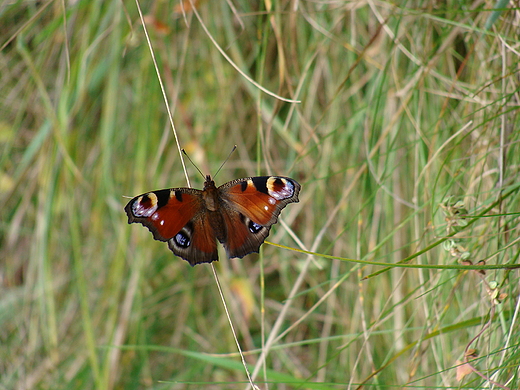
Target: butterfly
{"x":239,"y":214}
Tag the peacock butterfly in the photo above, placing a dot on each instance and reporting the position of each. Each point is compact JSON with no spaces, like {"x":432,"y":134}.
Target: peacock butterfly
{"x":239,"y":214}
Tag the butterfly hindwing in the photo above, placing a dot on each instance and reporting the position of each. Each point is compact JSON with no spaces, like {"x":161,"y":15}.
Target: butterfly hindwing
{"x":245,"y":237}
{"x":196,"y":242}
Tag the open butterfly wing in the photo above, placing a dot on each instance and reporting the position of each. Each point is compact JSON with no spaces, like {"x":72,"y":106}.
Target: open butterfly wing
{"x":176,"y":215}
{"x":251,"y":206}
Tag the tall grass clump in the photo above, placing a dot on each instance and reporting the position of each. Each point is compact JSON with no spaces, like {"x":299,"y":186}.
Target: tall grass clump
{"x":396,"y":269}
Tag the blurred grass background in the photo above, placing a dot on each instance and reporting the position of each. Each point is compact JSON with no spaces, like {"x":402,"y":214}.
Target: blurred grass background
{"x":407,"y":131}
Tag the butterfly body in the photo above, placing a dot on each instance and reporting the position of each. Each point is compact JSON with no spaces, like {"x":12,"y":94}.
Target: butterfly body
{"x":239,"y":214}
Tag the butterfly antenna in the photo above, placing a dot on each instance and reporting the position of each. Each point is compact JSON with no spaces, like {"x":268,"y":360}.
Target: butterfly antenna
{"x":192,"y":163}
{"x":225,"y":161}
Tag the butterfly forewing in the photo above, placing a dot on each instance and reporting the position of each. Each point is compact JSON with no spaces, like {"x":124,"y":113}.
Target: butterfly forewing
{"x":164,"y":212}
{"x":261,"y":198}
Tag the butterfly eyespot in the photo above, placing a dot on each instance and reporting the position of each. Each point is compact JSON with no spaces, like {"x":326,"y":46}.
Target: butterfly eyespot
{"x":280,"y":188}
{"x":254,"y":227}
{"x":145,"y":206}
{"x":182,"y":240}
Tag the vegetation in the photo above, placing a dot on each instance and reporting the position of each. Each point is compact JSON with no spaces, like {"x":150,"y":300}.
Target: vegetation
{"x":400,"y":121}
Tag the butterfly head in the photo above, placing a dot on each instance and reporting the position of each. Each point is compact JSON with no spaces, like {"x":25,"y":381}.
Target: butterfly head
{"x":209,"y":183}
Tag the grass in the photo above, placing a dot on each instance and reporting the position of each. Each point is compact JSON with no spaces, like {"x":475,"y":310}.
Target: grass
{"x":406,"y":109}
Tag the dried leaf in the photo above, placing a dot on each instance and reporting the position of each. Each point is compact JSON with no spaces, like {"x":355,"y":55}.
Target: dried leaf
{"x":463,"y":369}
